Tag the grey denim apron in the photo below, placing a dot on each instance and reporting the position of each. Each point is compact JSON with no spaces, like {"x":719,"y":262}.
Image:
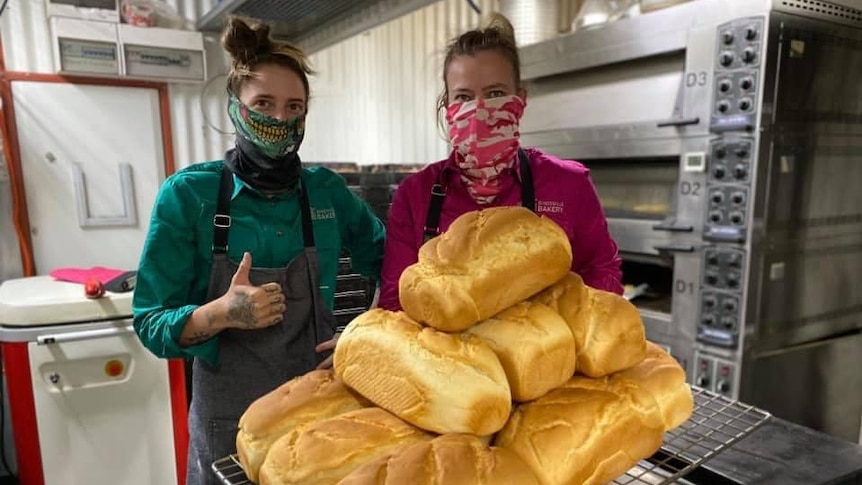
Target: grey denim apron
{"x":253,"y":362}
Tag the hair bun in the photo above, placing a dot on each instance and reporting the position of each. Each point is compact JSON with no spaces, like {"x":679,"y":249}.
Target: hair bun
{"x":498,"y":23}
{"x":246,"y":40}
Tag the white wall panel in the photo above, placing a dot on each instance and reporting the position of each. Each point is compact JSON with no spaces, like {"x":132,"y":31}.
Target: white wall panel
{"x":373,"y":95}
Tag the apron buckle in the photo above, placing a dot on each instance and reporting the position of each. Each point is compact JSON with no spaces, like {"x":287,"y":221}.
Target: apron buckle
{"x":221,"y":220}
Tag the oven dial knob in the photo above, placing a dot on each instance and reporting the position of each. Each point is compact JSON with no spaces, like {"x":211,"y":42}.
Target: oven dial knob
{"x":746,"y":83}
{"x":738,"y":198}
{"x":709,"y":302}
{"x":712,"y":259}
{"x":729,"y":323}
{"x":751,"y":33}
{"x":727,"y":37}
{"x":734,"y":260}
{"x":712,"y":279}
{"x":748,"y":55}
{"x":724,"y":85}
{"x":720,"y":152}
{"x":742,"y":151}
{"x":736,"y":218}
{"x":717,"y":197}
{"x":708,"y":320}
{"x":745,"y":104}
{"x":740,"y":172}
{"x":702,"y":380}
{"x":715,"y":217}
{"x":733,"y":279}
{"x":723,"y":106}
{"x":730,"y":305}
{"x":723,"y":387}
{"x":719,"y":172}
{"x":726,"y":58}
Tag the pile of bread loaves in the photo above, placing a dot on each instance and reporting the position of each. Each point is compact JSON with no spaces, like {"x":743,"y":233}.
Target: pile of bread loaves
{"x":503,"y":368}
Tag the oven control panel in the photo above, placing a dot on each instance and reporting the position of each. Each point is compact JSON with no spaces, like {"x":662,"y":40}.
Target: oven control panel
{"x":715,"y":374}
{"x":721,"y":296}
{"x":738,"y":53}
{"x":728,"y":186}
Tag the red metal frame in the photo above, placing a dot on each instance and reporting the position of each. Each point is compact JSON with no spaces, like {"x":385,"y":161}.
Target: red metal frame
{"x":22,"y":409}
{"x":16,"y":360}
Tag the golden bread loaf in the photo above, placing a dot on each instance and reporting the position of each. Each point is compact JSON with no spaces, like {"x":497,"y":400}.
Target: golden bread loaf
{"x":661,"y":375}
{"x":534,"y":345}
{"x":311,"y":397}
{"x":608,"y":330}
{"x":452,"y":459}
{"x":440,"y":382}
{"x":583,"y":436}
{"x":324,"y":452}
{"x":485,"y":262}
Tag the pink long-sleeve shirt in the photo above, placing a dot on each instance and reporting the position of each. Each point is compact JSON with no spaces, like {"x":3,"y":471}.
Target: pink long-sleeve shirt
{"x":564,"y":193}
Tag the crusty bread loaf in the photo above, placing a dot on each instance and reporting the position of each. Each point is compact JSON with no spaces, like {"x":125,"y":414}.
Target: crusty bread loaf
{"x":324,"y":452}
{"x":484,"y":263}
{"x":452,"y":459}
{"x":534,"y":345}
{"x":583,"y":436}
{"x":311,"y":397}
{"x":446,"y":383}
{"x":608,"y":330}
{"x":661,"y":375}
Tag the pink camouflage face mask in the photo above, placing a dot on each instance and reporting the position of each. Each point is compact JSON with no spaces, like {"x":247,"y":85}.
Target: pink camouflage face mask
{"x":485,"y":136}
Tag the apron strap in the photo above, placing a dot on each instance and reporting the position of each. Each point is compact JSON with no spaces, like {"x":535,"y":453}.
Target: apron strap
{"x":432,"y":221}
{"x":305,"y":206}
{"x":528,"y":191}
{"x":221,"y":220}
{"x":438,"y":194}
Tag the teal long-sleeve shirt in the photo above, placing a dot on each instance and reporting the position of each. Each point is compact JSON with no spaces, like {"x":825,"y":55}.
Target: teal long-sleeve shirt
{"x":174,"y":269}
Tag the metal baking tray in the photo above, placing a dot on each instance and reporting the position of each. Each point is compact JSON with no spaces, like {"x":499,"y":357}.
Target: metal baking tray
{"x":716,"y":423}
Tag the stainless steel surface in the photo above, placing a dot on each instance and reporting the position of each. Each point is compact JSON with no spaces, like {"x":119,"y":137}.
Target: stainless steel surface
{"x":311,"y":24}
{"x":828,"y":368}
{"x":533,"y":20}
{"x":755,"y":106}
{"x":715,"y":425}
{"x":75,"y":336}
{"x":31,"y":333}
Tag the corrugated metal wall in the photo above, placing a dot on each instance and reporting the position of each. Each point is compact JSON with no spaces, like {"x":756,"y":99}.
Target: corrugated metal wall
{"x":373,"y":96}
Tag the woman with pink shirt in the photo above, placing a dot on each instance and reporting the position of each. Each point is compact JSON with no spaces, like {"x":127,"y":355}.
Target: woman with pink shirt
{"x":483,"y":100}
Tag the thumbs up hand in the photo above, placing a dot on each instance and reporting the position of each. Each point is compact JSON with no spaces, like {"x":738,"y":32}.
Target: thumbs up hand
{"x":250,"y":307}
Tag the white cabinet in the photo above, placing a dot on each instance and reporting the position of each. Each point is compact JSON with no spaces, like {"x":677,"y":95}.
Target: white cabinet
{"x":92,"y":159}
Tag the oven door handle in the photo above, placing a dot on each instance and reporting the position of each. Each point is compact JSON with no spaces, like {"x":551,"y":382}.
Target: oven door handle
{"x":66,"y":337}
{"x":675,"y":248}
{"x":678,"y":122}
{"x":672,"y":227}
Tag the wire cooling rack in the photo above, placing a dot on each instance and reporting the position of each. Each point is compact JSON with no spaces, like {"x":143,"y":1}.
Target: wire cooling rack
{"x":716,"y":423}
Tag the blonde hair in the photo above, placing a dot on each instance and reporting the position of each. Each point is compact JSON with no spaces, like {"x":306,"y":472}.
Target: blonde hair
{"x":249,"y":45}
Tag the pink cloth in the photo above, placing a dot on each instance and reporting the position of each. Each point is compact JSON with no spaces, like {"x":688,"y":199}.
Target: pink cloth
{"x":81,"y":275}
{"x":564,"y":193}
{"x":485,"y":135}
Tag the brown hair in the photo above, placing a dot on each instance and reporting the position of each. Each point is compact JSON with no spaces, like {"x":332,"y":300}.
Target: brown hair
{"x":497,"y":35}
{"x":249,"y":45}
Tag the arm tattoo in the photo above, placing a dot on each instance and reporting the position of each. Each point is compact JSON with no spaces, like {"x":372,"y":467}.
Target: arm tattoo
{"x":197,"y":338}
{"x":240,"y":310}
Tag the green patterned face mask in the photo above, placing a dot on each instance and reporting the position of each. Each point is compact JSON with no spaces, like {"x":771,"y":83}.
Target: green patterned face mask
{"x":275,"y":138}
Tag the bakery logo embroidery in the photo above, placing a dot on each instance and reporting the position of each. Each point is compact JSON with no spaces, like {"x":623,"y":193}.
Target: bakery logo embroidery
{"x":318,"y":214}
{"x":549,"y":207}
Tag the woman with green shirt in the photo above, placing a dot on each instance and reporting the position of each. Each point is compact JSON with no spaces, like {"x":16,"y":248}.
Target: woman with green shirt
{"x":239,"y":267}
